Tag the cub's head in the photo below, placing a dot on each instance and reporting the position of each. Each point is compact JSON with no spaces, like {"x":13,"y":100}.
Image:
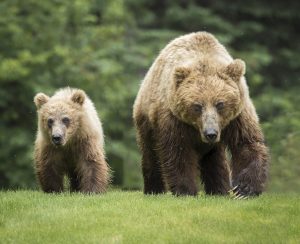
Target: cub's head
{"x":60,"y":116}
{"x":208,"y":99}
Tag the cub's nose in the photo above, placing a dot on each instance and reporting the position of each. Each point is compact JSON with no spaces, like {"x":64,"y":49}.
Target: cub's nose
{"x":211,"y":135}
{"x":57,"y":139}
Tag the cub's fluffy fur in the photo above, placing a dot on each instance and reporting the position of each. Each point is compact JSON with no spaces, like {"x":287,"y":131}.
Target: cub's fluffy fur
{"x":69,"y":142}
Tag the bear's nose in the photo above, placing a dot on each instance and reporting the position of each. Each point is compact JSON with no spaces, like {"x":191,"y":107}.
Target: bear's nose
{"x":57,"y":139}
{"x":211,"y":135}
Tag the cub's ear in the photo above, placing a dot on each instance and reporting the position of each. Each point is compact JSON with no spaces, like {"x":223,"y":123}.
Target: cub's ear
{"x":40,"y":99}
{"x":236,"y":69}
{"x":78,"y":97}
{"x":181,"y":73}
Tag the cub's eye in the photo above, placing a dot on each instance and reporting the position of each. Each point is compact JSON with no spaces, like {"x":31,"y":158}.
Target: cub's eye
{"x":220,"y":106}
{"x":197,"y":108}
{"x":50,"y":122}
{"x":66,"y":121}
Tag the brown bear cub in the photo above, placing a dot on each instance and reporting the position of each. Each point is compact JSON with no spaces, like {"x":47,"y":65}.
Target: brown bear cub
{"x":69,"y":142}
{"x":192,"y":106}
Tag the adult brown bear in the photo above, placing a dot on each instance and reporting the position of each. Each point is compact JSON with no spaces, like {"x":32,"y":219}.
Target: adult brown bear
{"x":193,"y":105}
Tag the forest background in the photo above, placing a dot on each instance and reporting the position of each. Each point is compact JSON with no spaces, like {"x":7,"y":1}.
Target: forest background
{"x":106,"y":46}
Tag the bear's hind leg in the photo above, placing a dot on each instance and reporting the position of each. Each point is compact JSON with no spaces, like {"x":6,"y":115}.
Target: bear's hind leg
{"x":153,"y":181}
{"x":74,"y":181}
{"x":215,"y":172}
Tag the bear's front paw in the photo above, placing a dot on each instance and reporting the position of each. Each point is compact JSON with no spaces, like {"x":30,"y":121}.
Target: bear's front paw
{"x":243,"y":189}
{"x":250,"y":182}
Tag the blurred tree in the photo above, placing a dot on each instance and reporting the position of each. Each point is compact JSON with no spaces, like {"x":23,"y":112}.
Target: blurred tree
{"x":29,"y":32}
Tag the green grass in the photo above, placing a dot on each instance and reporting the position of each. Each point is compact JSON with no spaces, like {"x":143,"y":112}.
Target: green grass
{"x":131,"y":217}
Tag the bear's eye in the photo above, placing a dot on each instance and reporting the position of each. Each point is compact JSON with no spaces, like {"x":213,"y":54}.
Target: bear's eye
{"x":50,"y":122}
{"x":220,"y":106}
{"x":66,"y":121}
{"x":197,"y":108}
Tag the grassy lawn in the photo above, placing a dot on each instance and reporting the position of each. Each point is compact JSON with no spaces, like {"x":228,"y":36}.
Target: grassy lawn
{"x":131,"y":217}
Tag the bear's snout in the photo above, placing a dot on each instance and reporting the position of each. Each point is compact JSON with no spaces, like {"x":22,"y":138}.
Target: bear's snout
{"x":57,"y":139}
{"x":211,"y":135}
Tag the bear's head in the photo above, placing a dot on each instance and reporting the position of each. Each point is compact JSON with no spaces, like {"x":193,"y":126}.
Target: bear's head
{"x":208,"y":98}
{"x":60,"y":117}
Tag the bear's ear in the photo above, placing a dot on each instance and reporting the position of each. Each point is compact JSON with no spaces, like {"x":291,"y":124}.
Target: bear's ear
{"x":236,"y":69}
{"x":40,"y":99}
{"x":181,"y":73}
{"x":78,"y":97}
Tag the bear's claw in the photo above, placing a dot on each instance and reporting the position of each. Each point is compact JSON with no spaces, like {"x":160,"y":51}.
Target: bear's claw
{"x":240,"y":196}
{"x":237,"y":194}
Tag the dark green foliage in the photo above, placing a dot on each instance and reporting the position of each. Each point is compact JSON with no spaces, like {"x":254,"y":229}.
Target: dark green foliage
{"x":106,"y":46}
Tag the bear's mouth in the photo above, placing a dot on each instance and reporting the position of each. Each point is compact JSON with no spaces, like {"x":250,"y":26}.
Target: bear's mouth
{"x":57,"y":143}
{"x":210,"y":138}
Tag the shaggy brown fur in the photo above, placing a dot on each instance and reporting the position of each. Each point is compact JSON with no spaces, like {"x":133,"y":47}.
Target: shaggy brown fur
{"x":192,"y":105}
{"x":69,"y":142}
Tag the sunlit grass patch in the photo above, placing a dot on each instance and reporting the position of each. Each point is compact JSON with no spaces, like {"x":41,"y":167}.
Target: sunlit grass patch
{"x":131,"y":217}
